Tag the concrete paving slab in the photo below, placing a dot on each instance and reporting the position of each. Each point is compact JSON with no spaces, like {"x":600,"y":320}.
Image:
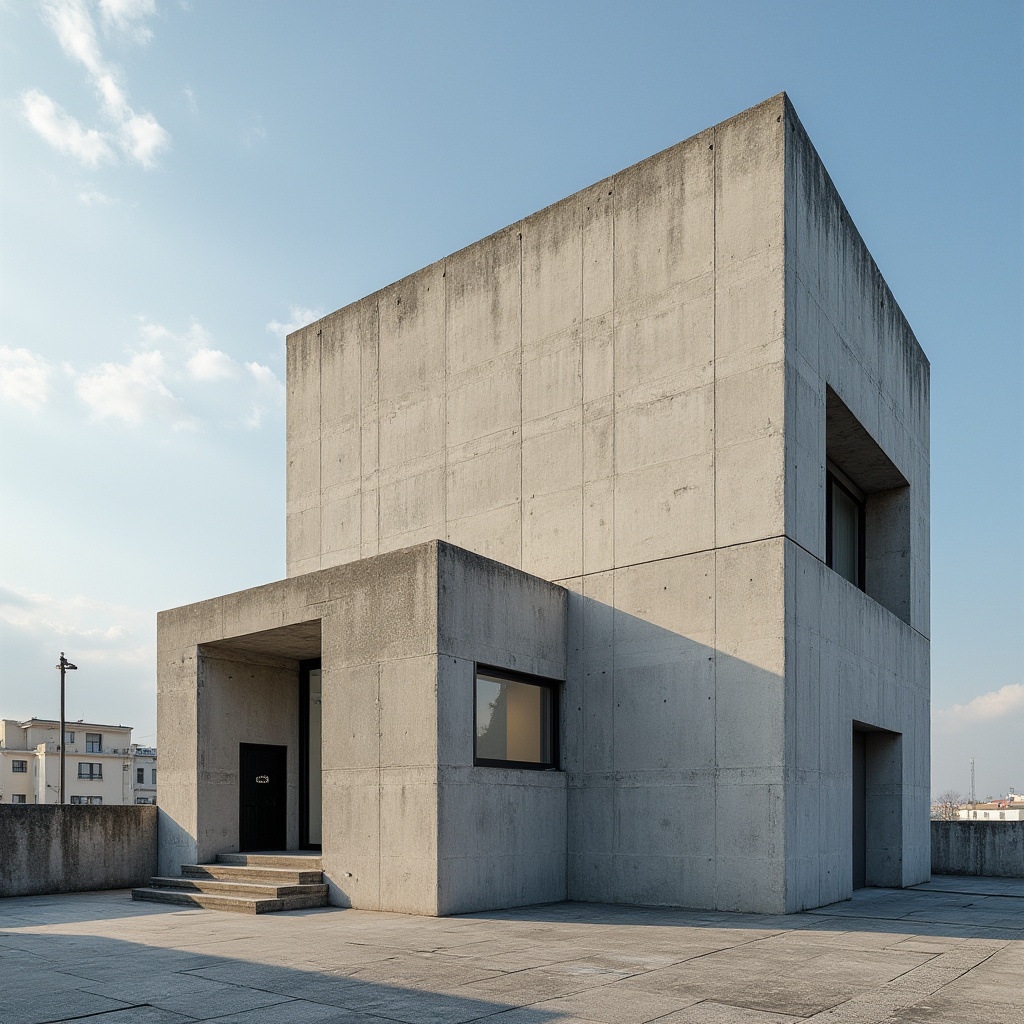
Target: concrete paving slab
{"x":885,"y":957}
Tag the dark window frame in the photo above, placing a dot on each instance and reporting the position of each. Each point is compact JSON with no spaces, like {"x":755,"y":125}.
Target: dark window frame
{"x":94,"y":746}
{"x":832,"y":480}
{"x":140,"y":776}
{"x":305,"y":667}
{"x":19,"y":767}
{"x":95,"y":773}
{"x":553,"y":686}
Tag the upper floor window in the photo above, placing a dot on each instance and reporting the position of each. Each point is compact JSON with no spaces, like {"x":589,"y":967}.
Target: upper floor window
{"x":140,"y":776}
{"x":867,"y":511}
{"x":69,"y":737}
{"x":19,"y":798}
{"x":153,"y":776}
{"x":844,"y":527}
{"x":19,"y":766}
{"x":93,"y":742}
{"x":516,"y":721}
{"x":87,"y":770}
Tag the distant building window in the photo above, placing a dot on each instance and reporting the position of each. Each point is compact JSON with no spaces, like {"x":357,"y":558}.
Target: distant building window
{"x":93,"y":742}
{"x":19,"y":798}
{"x":143,"y":800}
{"x":844,"y":530}
{"x":1002,"y":814}
{"x":975,"y":814}
{"x":19,"y":766}
{"x":69,"y":737}
{"x":986,"y":814}
{"x":87,"y":800}
{"x":154,"y":776}
{"x":140,"y":776}
{"x":88,"y":770}
{"x":516,"y":721}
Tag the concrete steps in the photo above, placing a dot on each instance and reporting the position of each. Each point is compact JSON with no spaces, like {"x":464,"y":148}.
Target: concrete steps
{"x":245,"y":883}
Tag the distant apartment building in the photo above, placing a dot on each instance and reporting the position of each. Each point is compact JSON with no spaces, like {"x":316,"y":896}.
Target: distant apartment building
{"x":1009,"y":809}
{"x":102,"y":765}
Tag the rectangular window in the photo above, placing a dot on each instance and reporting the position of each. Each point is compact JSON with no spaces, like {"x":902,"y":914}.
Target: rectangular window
{"x":19,"y":766}
{"x":142,"y":800}
{"x":93,"y":743}
{"x":154,"y":776}
{"x":19,"y":798}
{"x":69,"y":737}
{"x":516,"y":721}
{"x":140,"y":776}
{"x":844,"y":530}
{"x":87,"y":770}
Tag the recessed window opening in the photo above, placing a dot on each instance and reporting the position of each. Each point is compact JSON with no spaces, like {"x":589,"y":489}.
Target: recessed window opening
{"x":93,"y":742}
{"x":844,"y":526}
{"x":515,"y":721}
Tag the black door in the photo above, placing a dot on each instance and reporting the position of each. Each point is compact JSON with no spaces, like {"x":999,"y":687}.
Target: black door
{"x":860,"y":830}
{"x":263,"y":797}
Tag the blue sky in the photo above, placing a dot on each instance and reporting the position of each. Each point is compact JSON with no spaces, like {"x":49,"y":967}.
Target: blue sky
{"x":183,"y":183}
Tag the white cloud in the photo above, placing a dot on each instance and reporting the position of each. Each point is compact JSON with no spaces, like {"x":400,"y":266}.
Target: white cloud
{"x":254,"y":131}
{"x":1001,"y":704}
{"x":190,"y":99}
{"x":299,"y":316}
{"x":270,"y":394}
{"x":62,"y":131}
{"x":131,"y":392}
{"x":108,"y":632}
{"x":212,"y":364}
{"x":72,"y":24}
{"x":94,"y":198}
{"x":139,"y":136}
{"x":142,"y":137}
{"x":24,"y":378}
{"x":128,"y":17}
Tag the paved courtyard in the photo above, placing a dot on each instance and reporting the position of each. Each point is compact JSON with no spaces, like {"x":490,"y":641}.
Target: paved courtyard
{"x":952,"y":950}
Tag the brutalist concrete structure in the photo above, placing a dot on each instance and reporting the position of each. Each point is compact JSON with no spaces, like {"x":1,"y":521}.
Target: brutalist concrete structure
{"x":661,"y":447}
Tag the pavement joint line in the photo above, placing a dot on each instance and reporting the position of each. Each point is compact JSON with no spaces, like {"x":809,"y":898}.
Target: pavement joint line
{"x":98,"y":1013}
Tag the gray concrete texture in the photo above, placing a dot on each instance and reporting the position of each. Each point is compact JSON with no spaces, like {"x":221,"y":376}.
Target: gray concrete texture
{"x":634,"y":393}
{"x":50,"y":848}
{"x":886,"y":957}
{"x":405,"y":827}
{"x":987,"y":848}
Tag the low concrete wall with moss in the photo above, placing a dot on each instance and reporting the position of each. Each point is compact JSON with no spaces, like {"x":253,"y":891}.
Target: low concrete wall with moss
{"x":50,"y":848}
{"x":978,"y":848}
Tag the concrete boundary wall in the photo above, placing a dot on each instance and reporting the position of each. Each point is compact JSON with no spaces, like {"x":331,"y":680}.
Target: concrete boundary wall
{"x":54,"y":848}
{"x":978,"y":848}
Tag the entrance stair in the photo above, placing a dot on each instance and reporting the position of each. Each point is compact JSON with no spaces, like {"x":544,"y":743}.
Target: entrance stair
{"x":246,"y":883}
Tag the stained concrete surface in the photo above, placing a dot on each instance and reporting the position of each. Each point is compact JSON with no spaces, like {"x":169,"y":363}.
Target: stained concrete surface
{"x":949,"y":954}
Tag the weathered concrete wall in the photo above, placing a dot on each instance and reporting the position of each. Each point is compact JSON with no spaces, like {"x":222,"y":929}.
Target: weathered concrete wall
{"x":50,"y":848}
{"x":244,"y":697}
{"x":626,"y":393}
{"x":978,"y":848}
{"x":409,"y":825}
{"x":596,"y":395}
{"x":852,"y":656}
{"x":501,"y":831}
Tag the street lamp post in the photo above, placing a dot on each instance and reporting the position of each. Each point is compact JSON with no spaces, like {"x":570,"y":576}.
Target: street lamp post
{"x":65,"y":666}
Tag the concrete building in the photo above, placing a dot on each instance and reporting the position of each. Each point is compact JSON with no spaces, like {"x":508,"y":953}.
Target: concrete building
{"x":102,"y":764}
{"x":607,"y":567}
